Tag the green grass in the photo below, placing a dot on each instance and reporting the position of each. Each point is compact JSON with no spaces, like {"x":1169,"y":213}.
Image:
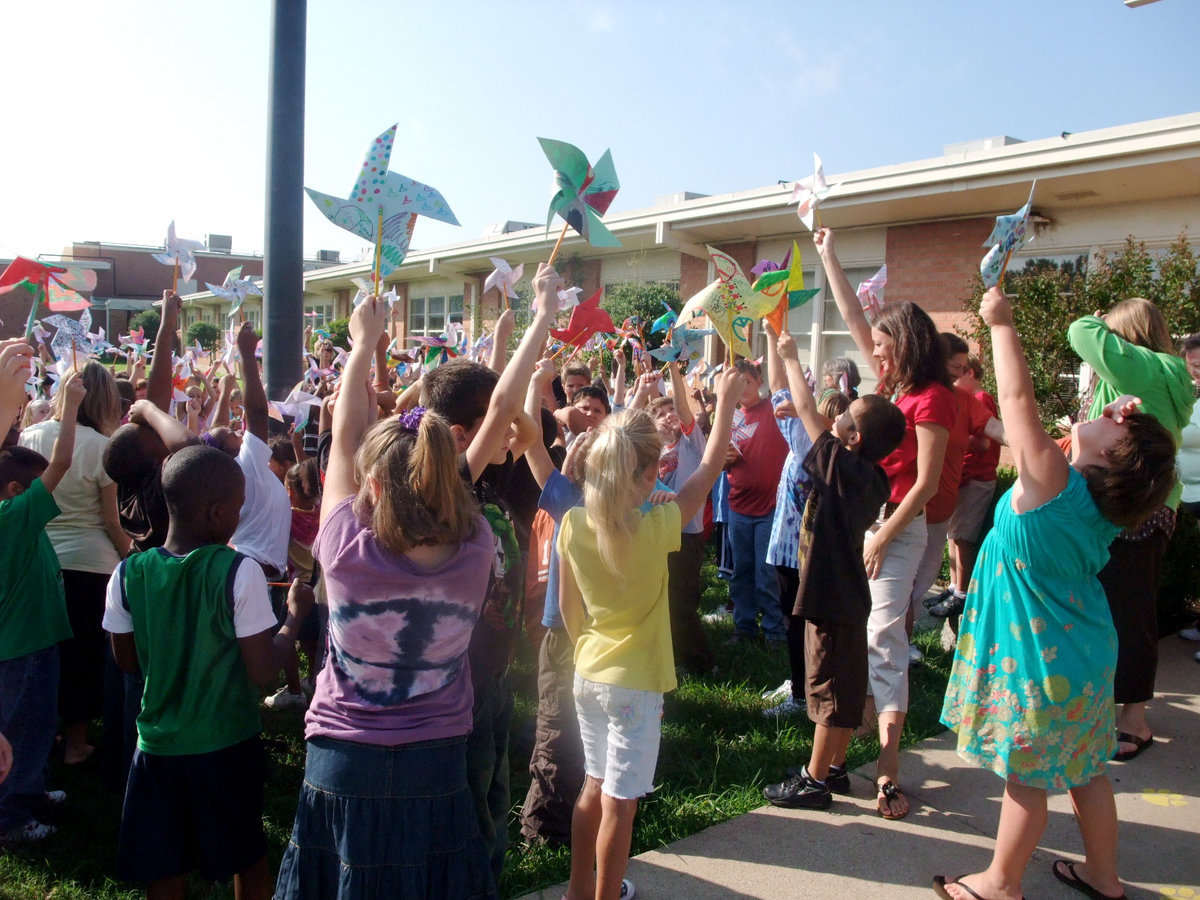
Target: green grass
{"x":717,"y":753}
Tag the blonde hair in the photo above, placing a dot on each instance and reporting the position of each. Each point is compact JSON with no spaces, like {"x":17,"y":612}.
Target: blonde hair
{"x":623,"y":448}
{"x":27,"y":416}
{"x":1140,"y":322}
{"x":417,"y":496}
{"x":101,"y":406}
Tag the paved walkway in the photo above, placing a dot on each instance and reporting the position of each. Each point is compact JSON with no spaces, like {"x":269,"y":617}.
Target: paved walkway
{"x":850,"y":851}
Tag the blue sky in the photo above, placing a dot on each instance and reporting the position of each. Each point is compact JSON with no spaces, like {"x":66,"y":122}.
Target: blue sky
{"x":124,"y":115}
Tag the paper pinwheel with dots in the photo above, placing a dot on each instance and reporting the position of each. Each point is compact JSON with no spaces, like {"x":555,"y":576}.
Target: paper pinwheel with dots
{"x":784,"y":283}
{"x":235,"y":289}
{"x":1009,"y":233}
{"x":382,"y":206}
{"x":870,"y":293}
{"x":809,"y":192}
{"x":586,"y":320}
{"x":730,"y":303}
{"x":584,"y":192}
{"x":72,"y":335}
{"x":180,"y":254}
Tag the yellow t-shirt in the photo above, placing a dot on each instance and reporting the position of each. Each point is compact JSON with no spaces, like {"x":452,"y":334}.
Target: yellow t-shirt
{"x":626,"y":637}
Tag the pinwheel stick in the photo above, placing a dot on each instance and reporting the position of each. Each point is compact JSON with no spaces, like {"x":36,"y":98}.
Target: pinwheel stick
{"x":175,"y":276}
{"x":378,"y":244}
{"x":558,"y":351}
{"x":1003,"y":269}
{"x":557,"y":245}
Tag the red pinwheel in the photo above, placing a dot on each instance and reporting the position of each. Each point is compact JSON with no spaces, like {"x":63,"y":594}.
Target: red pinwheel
{"x":586,"y":319}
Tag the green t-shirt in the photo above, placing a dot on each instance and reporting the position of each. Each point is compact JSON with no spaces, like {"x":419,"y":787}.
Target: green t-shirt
{"x":33,"y":612}
{"x":198,"y":697}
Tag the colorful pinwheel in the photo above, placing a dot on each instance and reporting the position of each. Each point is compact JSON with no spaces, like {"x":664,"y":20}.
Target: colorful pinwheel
{"x":1009,"y":233}
{"x":586,"y":319}
{"x":786,"y":284}
{"x":584,"y":193}
{"x":235,"y":289}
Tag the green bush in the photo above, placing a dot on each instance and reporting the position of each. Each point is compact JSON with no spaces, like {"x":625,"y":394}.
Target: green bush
{"x":148,"y":320}
{"x":339,"y":330}
{"x":208,"y":334}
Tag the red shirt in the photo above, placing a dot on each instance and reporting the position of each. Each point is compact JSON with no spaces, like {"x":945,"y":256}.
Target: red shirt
{"x":980,"y":464}
{"x":933,"y":404}
{"x":754,"y":477}
{"x":969,"y":421}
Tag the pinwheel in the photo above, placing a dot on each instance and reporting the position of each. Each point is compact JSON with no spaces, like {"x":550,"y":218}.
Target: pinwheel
{"x":482,"y":346}
{"x":59,"y":286}
{"x":235,"y":289}
{"x":584,"y":193}
{"x":298,"y":406}
{"x":809,"y":192}
{"x":71,"y":335}
{"x":504,"y":279}
{"x":382,"y":207}
{"x":179,"y":254}
{"x":442,"y":347}
{"x":683,"y":344}
{"x":870,"y":293}
{"x":786,"y":285}
{"x":730,"y":303}
{"x":1009,"y":233}
{"x":664,"y":322}
{"x":586,"y":319}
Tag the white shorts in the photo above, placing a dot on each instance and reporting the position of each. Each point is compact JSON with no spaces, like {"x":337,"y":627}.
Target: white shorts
{"x":974,"y":499}
{"x":621,"y":730}
{"x":887,"y":639}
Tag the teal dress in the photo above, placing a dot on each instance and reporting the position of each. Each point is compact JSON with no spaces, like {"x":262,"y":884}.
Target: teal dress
{"x":1031,"y":689}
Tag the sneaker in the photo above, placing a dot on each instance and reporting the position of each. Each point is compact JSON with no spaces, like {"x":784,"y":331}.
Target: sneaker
{"x":934,"y":599}
{"x":838,"y":779}
{"x":789,"y":707}
{"x":33,"y":830}
{"x":54,"y":798}
{"x":799,"y":792}
{"x":285,"y":699}
{"x":720,"y":615}
{"x":950,"y":607}
{"x":627,"y":889}
{"x":784,"y":690}
{"x":914,"y":654}
{"x":1190,"y":634}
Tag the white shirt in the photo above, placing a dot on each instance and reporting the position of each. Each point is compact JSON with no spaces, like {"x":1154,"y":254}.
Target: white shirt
{"x":266,"y":523}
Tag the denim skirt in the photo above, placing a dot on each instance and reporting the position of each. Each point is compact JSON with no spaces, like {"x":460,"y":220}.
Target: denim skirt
{"x":385,"y":822}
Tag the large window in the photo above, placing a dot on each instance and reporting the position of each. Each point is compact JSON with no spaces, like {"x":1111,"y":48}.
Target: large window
{"x":318,"y":315}
{"x":428,"y":316}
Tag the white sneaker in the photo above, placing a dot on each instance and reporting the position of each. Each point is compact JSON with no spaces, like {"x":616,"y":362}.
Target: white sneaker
{"x":1190,"y":634}
{"x":627,"y":889}
{"x":285,"y":699}
{"x":33,"y":830}
{"x":715,"y":618}
{"x":777,"y":694}
{"x":914,"y":654}
{"x":788,"y":707}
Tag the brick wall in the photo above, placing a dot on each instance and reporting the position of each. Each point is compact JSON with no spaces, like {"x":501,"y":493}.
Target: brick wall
{"x":934,"y":264}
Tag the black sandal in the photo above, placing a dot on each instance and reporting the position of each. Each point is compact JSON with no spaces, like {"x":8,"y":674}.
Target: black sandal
{"x":1072,"y":880}
{"x":940,"y":883}
{"x":890,"y":791}
{"x":1140,"y":745}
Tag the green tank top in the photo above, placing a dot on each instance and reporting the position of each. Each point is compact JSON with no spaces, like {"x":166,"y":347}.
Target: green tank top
{"x":198,"y":697}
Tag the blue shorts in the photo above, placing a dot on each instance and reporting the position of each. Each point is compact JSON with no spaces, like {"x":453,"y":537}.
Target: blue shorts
{"x":196,"y":812}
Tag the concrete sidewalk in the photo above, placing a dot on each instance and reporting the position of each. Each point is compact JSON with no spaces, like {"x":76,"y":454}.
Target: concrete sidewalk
{"x":850,"y":851}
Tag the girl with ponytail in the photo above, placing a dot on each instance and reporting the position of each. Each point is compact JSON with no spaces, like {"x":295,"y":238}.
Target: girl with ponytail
{"x":385,"y":809}
{"x":613,"y":597}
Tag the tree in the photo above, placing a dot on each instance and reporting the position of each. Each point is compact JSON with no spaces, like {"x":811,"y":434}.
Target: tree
{"x":147,"y":319}
{"x":1047,"y":296}
{"x":208,"y":335}
{"x":339,"y":333}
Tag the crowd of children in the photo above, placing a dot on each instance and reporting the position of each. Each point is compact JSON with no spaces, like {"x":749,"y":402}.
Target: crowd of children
{"x":167,"y":555}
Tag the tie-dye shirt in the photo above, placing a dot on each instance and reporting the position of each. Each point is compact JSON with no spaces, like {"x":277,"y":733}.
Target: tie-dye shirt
{"x":397,"y":669}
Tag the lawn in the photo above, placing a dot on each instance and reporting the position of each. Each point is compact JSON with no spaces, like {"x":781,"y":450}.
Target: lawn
{"x":717,"y":752}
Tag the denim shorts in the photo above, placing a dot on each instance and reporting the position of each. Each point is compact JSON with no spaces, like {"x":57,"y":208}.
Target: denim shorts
{"x":621,"y":729}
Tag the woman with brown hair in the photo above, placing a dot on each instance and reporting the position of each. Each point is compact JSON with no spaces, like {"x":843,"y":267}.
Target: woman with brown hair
{"x":907,"y":357}
{"x":1130,"y":351}
{"x":88,"y":539}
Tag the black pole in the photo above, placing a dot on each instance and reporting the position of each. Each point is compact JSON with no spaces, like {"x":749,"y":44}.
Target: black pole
{"x":283,"y":281}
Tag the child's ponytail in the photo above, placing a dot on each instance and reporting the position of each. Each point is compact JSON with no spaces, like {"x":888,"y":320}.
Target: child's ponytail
{"x":409,"y":486}
{"x":624,"y":446}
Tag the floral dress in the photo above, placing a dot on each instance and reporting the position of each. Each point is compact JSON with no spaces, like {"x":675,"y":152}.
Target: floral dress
{"x":1031,"y":689}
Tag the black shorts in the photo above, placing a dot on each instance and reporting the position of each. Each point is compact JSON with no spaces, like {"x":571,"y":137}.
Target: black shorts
{"x":835,"y":672}
{"x":199,"y":812}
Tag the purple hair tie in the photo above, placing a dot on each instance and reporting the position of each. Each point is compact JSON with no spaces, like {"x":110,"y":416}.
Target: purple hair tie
{"x":210,"y":440}
{"x":411,"y":419}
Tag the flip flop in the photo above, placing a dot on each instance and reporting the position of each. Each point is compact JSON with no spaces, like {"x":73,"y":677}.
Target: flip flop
{"x":1072,"y":880}
{"x":1140,"y":746}
{"x":940,"y":883}
{"x":889,"y":790}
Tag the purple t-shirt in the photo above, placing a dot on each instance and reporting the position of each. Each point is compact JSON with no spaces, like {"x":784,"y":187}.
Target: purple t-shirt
{"x":397,"y":669}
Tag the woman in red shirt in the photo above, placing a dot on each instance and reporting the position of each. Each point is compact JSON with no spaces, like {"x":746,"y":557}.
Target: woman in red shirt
{"x":907,"y":357}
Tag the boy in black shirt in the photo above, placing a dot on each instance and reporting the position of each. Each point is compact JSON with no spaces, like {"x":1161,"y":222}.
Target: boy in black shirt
{"x":834,"y":599}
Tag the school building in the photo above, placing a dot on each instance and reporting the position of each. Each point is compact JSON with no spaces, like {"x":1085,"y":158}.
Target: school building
{"x":926,"y":220}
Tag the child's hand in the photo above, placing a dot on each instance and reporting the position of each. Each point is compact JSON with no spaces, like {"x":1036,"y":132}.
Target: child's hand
{"x":823,"y":239}
{"x":247,"y":343}
{"x":658,"y":498}
{"x":172,"y":303}
{"x":228,"y":382}
{"x":619,"y":359}
{"x":786,"y":345}
{"x":14,"y":371}
{"x":729,"y":385}
{"x":137,"y":412}
{"x":994,"y":308}
{"x":300,"y":597}
{"x":786,"y":410}
{"x":73,"y":389}
{"x":1123,"y":406}
{"x":546,"y":284}
{"x":505,"y":326}
{"x":367,"y":322}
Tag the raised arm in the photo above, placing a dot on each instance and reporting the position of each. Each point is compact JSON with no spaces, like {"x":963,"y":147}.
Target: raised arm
{"x":64,"y":444}
{"x":1041,"y":466}
{"x":254,"y":396}
{"x":777,"y":378}
{"x":847,"y":300}
{"x":504,"y":329}
{"x":1119,"y":363}
{"x":15,"y":355}
{"x":691,"y":496}
{"x":354,"y":411}
{"x":679,"y":397}
{"x":169,"y":429}
{"x":159,"y":389}
{"x":618,"y":378}
{"x":815,"y":424}
{"x":536,"y":455}
{"x":221,"y":417}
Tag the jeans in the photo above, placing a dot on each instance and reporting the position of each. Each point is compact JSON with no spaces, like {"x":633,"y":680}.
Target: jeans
{"x":487,"y":764}
{"x":754,"y":588}
{"x":28,"y":715}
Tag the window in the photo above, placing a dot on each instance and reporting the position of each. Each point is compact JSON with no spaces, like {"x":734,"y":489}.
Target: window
{"x":318,"y":315}
{"x":428,"y":316}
